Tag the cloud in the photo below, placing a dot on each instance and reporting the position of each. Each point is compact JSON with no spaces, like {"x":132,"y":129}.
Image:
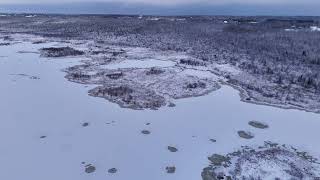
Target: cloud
{"x":169,"y":2}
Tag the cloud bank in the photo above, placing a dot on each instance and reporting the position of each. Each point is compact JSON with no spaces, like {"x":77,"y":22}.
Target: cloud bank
{"x":168,"y":2}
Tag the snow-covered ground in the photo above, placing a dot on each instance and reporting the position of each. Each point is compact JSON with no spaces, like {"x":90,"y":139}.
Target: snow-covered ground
{"x":294,"y":29}
{"x":144,"y":63}
{"x":42,"y":134}
{"x":315,"y":28}
{"x":30,"y":16}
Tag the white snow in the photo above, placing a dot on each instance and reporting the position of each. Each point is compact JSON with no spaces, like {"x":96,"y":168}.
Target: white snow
{"x":154,"y":19}
{"x":200,"y":74}
{"x":143,"y":58}
{"x":315,"y":28}
{"x":226,"y":68}
{"x":56,"y":108}
{"x":291,"y":30}
{"x":30,"y":16}
{"x":180,"y":19}
{"x":146,"y":63}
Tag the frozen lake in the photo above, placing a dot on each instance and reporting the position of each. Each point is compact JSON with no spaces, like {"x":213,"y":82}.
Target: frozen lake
{"x":53,"y":107}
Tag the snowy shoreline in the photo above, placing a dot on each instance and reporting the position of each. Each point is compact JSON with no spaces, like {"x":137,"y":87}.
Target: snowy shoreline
{"x":225,"y":73}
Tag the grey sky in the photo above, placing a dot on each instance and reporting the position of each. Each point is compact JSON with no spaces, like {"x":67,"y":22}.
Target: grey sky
{"x":165,"y":7}
{"x":171,"y":2}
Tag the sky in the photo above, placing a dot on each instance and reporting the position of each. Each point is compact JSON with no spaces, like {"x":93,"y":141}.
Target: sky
{"x":165,"y":7}
{"x":170,"y":2}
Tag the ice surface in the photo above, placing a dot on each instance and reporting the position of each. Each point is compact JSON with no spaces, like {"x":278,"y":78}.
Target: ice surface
{"x":54,"y":108}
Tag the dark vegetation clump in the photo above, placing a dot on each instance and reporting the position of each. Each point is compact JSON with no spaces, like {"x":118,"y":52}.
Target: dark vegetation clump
{"x":4,"y":44}
{"x":60,"y":52}
{"x":90,"y":168}
{"x":146,"y":132}
{"x":245,"y":134}
{"x":191,"y":62}
{"x":116,"y":91}
{"x":154,"y":71}
{"x":112,"y":170}
{"x":196,"y":85}
{"x":79,"y":75}
{"x":258,"y":125}
{"x":171,"y":169}
{"x":172,"y":149}
{"x":115,"y":75}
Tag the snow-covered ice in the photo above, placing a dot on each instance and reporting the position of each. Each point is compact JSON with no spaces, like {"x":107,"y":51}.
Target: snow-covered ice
{"x":42,"y":134}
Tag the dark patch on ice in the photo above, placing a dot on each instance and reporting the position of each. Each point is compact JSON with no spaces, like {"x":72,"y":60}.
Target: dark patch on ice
{"x":112,"y":122}
{"x":213,"y":140}
{"x":145,"y":132}
{"x":34,"y":77}
{"x":258,"y":124}
{"x":245,"y":134}
{"x":60,"y":52}
{"x":42,"y":137}
{"x":85,"y":124}
{"x":28,"y":52}
{"x":4,"y":44}
{"x":112,"y":170}
{"x":90,"y":168}
{"x":172,"y":149}
{"x":26,"y":75}
{"x":171,"y":169}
